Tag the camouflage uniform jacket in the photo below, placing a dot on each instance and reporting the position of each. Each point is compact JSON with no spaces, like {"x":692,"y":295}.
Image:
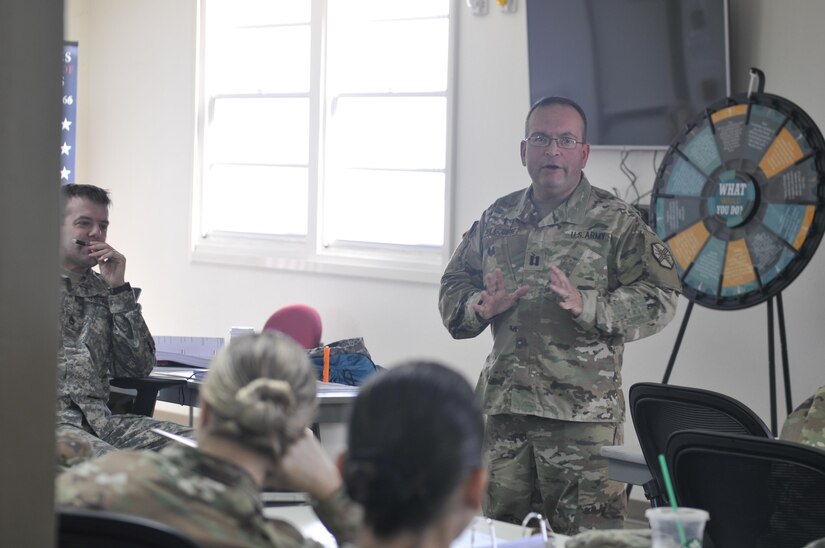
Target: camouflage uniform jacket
{"x":102,"y":335}
{"x":209,"y":499}
{"x":544,"y":361}
{"x":807,"y":423}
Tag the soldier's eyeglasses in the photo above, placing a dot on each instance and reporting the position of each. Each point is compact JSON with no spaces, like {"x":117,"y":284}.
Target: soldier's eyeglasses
{"x":543,"y":141}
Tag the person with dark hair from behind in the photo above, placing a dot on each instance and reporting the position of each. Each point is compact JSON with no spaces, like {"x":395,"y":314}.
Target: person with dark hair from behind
{"x":102,"y":335}
{"x":414,"y":458}
{"x":257,"y":403}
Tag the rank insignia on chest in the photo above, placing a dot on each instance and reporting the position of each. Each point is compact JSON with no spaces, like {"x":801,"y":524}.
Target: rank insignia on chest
{"x":533,"y":261}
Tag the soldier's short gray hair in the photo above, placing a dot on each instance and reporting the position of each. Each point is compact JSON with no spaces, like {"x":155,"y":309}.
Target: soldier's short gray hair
{"x":261,"y":389}
{"x":555,"y":100}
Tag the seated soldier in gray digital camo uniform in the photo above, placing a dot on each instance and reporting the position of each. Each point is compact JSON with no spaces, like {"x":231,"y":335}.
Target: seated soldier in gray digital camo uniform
{"x":102,"y":332}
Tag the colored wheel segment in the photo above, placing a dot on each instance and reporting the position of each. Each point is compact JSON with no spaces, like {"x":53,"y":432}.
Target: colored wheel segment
{"x":740,"y":200}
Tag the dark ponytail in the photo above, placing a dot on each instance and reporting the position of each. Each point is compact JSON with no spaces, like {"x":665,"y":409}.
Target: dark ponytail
{"x":415,"y":433}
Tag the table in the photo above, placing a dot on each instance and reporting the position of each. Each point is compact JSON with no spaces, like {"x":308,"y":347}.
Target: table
{"x":476,"y":535}
{"x":626,"y":464}
{"x":334,"y":400}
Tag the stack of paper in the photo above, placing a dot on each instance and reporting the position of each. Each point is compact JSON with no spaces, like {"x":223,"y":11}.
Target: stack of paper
{"x":191,"y":351}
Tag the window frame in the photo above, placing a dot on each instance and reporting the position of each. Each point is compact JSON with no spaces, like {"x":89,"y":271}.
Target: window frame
{"x":423,"y":264}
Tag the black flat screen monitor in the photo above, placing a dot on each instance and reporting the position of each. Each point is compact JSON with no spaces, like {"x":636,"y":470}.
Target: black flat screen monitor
{"x":640,"y":68}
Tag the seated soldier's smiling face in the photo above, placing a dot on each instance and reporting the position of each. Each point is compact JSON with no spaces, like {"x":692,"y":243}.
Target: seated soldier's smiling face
{"x":85,"y":222}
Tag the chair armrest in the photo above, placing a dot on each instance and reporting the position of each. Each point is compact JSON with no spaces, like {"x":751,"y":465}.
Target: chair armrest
{"x":147,"y":391}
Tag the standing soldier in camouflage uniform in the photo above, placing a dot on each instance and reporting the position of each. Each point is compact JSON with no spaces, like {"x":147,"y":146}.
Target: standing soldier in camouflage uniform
{"x":257,"y":403}
{"x":565,"y":273}
{"x":102,"y":332}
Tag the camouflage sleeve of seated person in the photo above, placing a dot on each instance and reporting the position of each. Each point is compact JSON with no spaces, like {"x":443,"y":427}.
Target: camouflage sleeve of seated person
{"x":807,"y":422}
{"x":71,"y":449}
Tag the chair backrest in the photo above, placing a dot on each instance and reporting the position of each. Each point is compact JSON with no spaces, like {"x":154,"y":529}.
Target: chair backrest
{"x":299,"y":321}
{"x":659,"y":410}
{"x":759,"y":492}
{"x":81,"y":528}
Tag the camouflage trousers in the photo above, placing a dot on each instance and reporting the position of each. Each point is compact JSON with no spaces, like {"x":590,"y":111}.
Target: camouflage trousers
{"x":124,"y":432}
{"x":554,"y":468}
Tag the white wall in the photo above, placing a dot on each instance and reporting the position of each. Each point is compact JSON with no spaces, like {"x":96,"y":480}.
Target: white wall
{"x":137,"y":117}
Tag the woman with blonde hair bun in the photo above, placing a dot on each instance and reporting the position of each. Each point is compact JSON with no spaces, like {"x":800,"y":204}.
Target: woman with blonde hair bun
{"x":256,"y":404}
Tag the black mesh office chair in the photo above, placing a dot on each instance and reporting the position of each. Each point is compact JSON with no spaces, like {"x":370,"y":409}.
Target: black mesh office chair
{"x":659,"y":410}
{"x":78,"y":528}
{"x":759,"y":492}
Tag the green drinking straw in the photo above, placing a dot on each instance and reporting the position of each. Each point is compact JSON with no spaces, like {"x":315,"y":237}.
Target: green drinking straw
{"x":672,"y":496}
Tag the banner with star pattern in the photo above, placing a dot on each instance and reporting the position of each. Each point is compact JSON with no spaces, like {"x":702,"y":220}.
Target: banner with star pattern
{"x":68,"y":128}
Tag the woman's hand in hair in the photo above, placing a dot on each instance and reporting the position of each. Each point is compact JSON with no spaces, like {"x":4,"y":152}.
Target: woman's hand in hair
{"x":306,"y":467}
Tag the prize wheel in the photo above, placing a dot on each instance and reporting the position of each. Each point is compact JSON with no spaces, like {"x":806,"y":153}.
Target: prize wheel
{"x":739,"y":199}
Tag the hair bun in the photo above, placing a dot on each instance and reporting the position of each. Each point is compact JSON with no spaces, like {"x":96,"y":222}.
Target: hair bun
{"x":266,"y":390}
{"x":378,"y":482}
{"x":360,"y":478}
{"x":263,"y":404}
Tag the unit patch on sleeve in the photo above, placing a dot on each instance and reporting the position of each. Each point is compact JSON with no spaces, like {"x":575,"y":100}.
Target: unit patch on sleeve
{"x":662,"y":255}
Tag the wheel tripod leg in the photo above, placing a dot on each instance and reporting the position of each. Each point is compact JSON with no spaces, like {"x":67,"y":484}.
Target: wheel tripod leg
{"x":676,"y":346}
{"x":783,"y":348}
{"x":771,"y":367}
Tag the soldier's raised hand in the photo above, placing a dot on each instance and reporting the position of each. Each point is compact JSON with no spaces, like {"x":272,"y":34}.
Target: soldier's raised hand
{"x":495,"y":299}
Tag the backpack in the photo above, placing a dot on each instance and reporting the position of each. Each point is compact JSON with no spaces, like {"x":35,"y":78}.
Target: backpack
{"x":350,"y":362}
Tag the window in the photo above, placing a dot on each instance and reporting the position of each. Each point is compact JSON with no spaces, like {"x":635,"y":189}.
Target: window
{"x":324,"y":135}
